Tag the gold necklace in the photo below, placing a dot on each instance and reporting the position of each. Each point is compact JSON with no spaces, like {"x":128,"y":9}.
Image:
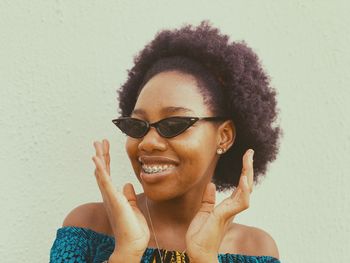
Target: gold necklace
{"x":154,"y":233}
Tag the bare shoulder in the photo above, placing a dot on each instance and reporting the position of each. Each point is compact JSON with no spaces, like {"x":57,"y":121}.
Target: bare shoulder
{"x":248,"y":240}
{"x":262,"y":242}
{"x":89,"y":215}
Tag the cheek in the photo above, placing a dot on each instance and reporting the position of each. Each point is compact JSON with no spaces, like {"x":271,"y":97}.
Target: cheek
{"x":190,"y":151}
{"x":196,"y":151}
{"x":196,"y":158}
{"x":131,"y":147}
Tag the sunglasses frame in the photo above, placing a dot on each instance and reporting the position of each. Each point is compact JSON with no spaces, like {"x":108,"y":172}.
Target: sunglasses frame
{"x":192,"y":120}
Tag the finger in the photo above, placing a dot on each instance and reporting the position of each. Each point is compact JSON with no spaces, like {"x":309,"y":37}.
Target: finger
{"x":245,"y":189}
{"x":129,"y":193}
{"x":116,"y":203}
{"x":106,"y":154}
{"x":108,"y":191}
{"x":251,"y":175}
{"x":103,"y":181}
{"x":99,"y":152}
{"x":98,"y":147}
{"x":236,"y":203}
{"x":244,"y":194}
{"x":247,"y":169}
{"x":100,"y":172}
{"x":208,"y":199}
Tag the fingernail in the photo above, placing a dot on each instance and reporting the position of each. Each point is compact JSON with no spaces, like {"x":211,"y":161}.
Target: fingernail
{"x":251,"y":155}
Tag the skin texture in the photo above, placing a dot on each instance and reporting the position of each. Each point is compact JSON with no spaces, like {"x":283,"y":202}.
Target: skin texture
{"x":201,"y":228}
{"x":226,"y":68}
{"x":195,"y":149}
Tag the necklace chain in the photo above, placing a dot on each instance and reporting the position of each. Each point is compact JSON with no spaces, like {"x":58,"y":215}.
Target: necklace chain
{"x":154,"y":233}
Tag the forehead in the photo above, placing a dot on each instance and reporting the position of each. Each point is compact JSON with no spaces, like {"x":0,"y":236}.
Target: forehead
{"x":170,"y":90}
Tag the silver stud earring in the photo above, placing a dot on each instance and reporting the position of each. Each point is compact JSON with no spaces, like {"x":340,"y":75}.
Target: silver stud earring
{"x":220,"y":151}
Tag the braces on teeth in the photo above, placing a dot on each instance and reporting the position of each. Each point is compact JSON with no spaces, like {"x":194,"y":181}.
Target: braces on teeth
{"x":156,"y":169}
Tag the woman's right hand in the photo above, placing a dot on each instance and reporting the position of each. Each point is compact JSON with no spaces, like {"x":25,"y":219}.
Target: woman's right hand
{"x":129,"y":226}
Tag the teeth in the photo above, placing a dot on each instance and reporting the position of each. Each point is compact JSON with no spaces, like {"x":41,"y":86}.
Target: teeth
{"x":156,"y":168}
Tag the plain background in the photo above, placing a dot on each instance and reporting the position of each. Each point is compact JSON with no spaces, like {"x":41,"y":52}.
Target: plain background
{"x":61,"y":63}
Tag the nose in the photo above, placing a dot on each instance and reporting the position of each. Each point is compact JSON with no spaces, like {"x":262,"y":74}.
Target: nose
{"x":152,"y":141}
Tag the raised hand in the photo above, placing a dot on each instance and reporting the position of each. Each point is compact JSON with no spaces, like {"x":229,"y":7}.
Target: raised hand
{"x":127,"y":221}
{"x":206,"y":231}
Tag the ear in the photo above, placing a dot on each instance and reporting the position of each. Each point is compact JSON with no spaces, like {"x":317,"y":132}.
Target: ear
{"x":226,"y":135}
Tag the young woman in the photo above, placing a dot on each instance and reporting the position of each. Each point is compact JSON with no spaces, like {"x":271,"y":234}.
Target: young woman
{"x":197,"y":109}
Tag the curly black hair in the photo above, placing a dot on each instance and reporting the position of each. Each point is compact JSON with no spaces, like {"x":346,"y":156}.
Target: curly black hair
{"x":236,"y":87}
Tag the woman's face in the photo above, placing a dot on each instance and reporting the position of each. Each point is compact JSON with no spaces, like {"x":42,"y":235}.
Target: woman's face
{"x":187,"y":160}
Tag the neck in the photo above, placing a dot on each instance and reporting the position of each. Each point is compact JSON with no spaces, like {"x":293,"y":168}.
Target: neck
{"x":176,"y":213}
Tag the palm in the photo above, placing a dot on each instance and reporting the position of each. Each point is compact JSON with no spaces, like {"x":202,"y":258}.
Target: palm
{"x":204,"y":225}
{"x":206,"y":231}
{"x":132,"y":226}
{"x":127,"y":221}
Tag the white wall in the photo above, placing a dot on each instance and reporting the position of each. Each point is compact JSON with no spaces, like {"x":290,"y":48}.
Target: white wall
{"x":61,"y":63}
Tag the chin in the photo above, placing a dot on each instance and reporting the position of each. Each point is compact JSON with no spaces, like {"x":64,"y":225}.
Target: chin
{"x":158,"y":193}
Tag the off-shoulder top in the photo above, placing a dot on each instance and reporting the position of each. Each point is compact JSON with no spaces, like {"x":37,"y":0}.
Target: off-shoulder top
{"x":80,"y":245}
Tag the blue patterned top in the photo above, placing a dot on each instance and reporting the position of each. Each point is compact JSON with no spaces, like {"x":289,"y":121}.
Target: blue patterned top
{"x":82,"y":245}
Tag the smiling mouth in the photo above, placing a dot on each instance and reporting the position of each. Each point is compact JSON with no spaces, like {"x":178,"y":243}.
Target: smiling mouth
{"x":160,"y":165}
{"x":152,"y":169}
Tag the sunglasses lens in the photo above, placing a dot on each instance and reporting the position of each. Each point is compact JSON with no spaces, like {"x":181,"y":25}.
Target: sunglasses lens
{"x":173,"y":126}
{"x":132,"y":127}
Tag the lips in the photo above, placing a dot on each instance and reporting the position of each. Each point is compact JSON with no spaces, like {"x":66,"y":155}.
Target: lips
{"x":157,"y":160}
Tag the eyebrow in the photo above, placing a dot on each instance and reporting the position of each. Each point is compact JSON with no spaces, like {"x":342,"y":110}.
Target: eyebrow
{"x":166,"y":110}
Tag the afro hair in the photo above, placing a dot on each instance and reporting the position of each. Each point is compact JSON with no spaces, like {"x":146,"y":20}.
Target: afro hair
{"x":249,"y":99}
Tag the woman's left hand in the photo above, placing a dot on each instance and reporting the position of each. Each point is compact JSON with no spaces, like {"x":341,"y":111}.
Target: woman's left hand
{"x":207,"y":229}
